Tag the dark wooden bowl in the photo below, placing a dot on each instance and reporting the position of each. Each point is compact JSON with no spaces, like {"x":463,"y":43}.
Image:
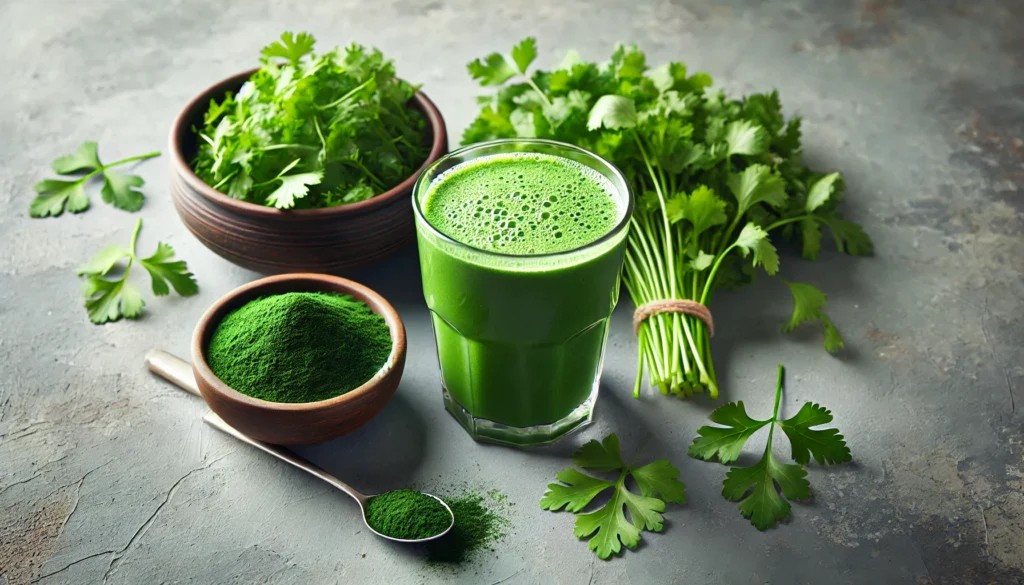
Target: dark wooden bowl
{"x":306,"y":422}
{"x":272,"y":241}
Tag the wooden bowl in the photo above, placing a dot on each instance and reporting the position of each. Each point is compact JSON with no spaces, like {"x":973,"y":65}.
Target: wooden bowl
{"x":272,"y":241}
{"x":304,"y":422}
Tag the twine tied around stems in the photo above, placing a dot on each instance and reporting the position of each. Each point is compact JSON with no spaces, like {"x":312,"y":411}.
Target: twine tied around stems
{"x":684,"y":306}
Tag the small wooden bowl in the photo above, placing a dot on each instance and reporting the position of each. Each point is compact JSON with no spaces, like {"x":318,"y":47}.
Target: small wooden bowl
{"x":272,"y":241}
{"x":305,"y":422}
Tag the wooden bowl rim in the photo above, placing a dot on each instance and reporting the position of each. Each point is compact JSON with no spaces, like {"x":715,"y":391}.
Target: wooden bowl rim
{"x":182,"y":125}
{"x":321,"y":282}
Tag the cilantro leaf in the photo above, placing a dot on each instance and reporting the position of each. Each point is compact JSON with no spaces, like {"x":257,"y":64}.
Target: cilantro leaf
{"x":291,"y":47}
{"x":745,"y":137}
{"x":704,"y":210}
{"x":163,"y":270}
{"x":611,"y":526}
{"x":607,"y":527}
{"x":754,"y":239}
{"x":703,"y":261}
{"x":86,"y":158}
{"x":660,"y":479}
{"x":55,"y":196}
{"x":848,"y":236}
{"x":810,"y":239}
{"x":111,"y":298}
{"x":820,"y":192}
{"x":825,"y":445}
{"x":603,"y":456}
{"x":756,"y":184}
{"x":120,"y":190}
{"x":577,"y":492}
{"x":293,"y":187}
{"x":726,"y":442}
{"x":755,"y":489}
{"x":613,"y":112}
{"x":524,"y":53}
{"x":808,"y":306}
{"x":494,"y":69}
{"x":103,"y":261}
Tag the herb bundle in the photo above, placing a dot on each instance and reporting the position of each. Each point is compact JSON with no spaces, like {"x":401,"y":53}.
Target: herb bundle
{"x":312,"y":130}
{"x":754,"y":487}
{"x":715,"y":179}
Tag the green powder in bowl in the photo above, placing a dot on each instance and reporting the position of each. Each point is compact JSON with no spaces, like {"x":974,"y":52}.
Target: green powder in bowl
{"x":299,"y":347}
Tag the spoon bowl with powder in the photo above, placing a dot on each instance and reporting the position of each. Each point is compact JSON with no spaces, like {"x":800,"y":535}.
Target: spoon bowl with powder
{"x":406,"y":516}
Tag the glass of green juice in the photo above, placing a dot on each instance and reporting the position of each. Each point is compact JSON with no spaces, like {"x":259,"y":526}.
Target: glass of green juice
{"x":521,"y":243}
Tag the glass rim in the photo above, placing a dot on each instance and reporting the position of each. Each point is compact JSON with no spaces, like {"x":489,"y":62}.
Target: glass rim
{"x":614,"y":232}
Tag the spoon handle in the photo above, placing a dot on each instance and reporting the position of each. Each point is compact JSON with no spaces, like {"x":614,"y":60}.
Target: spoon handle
{"x":179,"y":372}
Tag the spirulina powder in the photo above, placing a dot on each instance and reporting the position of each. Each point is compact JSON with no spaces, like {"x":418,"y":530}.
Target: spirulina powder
{"x":299,"y":347}
{"x":407,"y":514}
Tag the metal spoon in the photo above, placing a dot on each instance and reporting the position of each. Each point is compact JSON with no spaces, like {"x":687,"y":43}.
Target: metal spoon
{"x":179,"y":372}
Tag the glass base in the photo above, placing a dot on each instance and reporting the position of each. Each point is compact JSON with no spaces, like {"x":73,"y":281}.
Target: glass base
{"x":489,"y":431}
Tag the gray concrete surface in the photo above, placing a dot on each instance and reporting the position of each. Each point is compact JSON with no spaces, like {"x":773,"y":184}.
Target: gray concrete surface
{"x":108,"y":475}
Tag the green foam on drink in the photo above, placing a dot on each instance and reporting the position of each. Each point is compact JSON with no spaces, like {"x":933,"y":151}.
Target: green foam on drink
{"x":522,"y":204}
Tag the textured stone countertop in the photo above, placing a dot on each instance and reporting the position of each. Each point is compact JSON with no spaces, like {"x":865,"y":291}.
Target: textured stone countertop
{"x":107,"y":474}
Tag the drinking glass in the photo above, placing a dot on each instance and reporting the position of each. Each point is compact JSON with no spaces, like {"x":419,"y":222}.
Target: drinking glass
{"x":521,"y":339}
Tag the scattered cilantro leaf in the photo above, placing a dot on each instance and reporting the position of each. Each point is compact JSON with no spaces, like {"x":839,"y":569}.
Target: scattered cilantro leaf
{"x":757,"y":487}
{"x":825,"y":445}
{"x":109,"y":297}
{"x":86,"y":158}
{"x":120,"y":190}
{"x":55,"y":196}
{"x":727,"y":441}
{"x":808,"y":306}
{"x":608,"y":527}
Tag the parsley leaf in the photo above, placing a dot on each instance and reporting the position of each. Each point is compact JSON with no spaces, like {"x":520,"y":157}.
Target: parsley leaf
{"x":54,"y":196}
{"x":757,"y":487}
{"x":110,"y":297}
{"x":608,"y":527}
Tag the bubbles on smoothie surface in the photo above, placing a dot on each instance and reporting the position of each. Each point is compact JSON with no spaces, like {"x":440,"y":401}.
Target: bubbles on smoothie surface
{"x":522,"y":203}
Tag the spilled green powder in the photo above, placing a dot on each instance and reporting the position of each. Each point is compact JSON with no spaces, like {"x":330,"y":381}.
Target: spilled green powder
{"x":479,"y":524}
{"x":299,"y":347}
{"x":407,"y":514}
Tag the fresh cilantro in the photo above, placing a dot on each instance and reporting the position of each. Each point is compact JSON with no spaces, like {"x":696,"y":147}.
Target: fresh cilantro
{"x":719,"y":181}
{"x":110,"y":297}
{"x":608,"y":527}
{"x":54,"y":196}
{"x":310,"y":130}
{"x":757,"y":487}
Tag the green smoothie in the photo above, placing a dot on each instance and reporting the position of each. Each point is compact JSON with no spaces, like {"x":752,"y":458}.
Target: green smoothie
{"x":520,"y":279}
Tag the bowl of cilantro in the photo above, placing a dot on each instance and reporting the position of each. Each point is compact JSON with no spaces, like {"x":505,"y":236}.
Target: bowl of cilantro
{"x":306,"y":163}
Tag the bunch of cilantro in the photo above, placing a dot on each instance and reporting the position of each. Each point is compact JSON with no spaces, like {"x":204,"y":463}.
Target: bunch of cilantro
{"x":311,"y":130}
{"x":716,"y":178}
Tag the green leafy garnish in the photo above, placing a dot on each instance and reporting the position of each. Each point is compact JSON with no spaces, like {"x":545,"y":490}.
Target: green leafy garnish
{"x":108,"y":298}
{"x":717,"y":179}
{"x":608,"y":526}
{"x":120,"y":190}
{"x":757,"y":487}
{"x":312,"y":130}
